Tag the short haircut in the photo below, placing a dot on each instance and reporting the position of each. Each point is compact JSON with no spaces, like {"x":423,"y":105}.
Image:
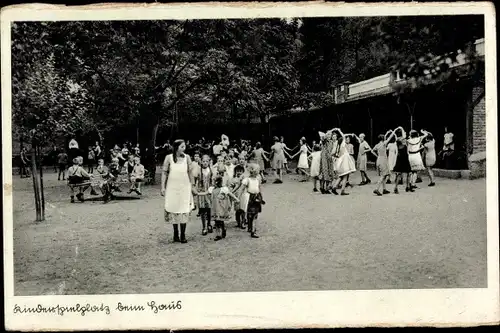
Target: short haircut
{"x":239,"y":168}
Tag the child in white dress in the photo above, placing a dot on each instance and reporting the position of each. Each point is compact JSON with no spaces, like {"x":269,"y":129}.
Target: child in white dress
{"x":392,"y":154}
{"x":315,"y":158}
{"x":344,"y":164}
{"x":303,"y":164}
{"x":414,"y":144}
{"x":350,"y":149}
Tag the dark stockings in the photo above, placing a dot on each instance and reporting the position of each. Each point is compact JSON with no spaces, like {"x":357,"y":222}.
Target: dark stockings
{"x":183,"y":233}
{"x":176,"y":233}
{"x":205,"y":217}
{"x":240,"y":218}
{"x":252,"y":224}
{"x":220,"y":230}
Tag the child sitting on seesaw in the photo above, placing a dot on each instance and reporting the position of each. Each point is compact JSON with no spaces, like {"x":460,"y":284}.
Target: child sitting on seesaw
{"x":136,"y":176}
{"x":77,"y":175}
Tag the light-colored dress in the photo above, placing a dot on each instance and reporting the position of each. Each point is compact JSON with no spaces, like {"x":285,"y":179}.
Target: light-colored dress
{"x":221,"y":204}
{"x":178,"y":195}
{"x":252,"y":188}
{"x":344,"y":163}
{"x":414,"y":156}
{"x":230,"y":170}
{"x":315,"y":163}
{"x":137,"y":173}
{"x":335,"y":154}
{"x":430,"y":153}
{"x":278,"y":160}
{"x":285,"y":161}
{"x":303,"y":162}
{"x":392,"y":149}
{"x":350,"y":148}
{"x":362,"y":158}
{"x":382,"y":160}
{"x":258,"y":158}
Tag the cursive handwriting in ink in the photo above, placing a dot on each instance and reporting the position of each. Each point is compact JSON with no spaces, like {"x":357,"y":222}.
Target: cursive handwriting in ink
{"x":164,"y":307}
{"x":61,"y":310}
{"x":121,"y":307}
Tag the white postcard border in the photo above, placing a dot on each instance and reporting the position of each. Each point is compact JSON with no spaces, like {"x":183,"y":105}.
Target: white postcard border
{"x":436,"y":307}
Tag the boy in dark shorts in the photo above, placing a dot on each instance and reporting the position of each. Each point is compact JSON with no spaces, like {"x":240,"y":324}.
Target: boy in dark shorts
{"x":62,"y":162}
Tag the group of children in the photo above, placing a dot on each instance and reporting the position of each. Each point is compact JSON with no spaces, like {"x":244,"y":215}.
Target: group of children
{"x":108,"y":176}
{"x":225,"y":190}
{"x":332,"y":160}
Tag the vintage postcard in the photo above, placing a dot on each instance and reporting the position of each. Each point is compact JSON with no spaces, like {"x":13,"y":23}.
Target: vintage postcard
{"x":258,"y":165}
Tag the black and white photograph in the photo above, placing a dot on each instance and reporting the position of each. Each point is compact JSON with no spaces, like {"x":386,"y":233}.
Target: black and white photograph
{"x":250,"y":154}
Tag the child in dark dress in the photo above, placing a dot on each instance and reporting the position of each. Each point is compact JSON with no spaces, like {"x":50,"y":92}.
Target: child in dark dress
{"x":402,"y":165}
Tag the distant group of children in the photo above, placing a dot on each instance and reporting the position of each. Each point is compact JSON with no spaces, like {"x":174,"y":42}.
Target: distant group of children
{"x":107,"y":176}
{"x":332,"y":160}
{"x":228,"y":183}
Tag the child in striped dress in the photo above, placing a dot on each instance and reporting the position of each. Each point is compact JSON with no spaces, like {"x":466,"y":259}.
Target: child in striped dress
{"x":202,"y":182}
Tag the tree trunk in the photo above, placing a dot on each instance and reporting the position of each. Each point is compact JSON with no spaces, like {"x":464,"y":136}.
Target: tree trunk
{"x":265,"y":120}
{"x":148,"y":129}
{"x":42,"y":194}
{"x":36,"y":185}
{"x":411,"y":111}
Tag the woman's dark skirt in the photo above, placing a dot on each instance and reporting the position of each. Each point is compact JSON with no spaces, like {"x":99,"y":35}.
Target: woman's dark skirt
{"x":402,"y":164}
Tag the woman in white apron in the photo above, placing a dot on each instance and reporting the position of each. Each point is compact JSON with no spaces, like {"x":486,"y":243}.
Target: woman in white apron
{"x":176,"y":186}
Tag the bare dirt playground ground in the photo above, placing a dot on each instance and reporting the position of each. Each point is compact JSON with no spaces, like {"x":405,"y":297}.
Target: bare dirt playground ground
{"x":433,"y":238}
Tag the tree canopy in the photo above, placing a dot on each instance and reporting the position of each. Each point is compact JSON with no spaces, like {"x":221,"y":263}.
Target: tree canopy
{"x":102,"y":76}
